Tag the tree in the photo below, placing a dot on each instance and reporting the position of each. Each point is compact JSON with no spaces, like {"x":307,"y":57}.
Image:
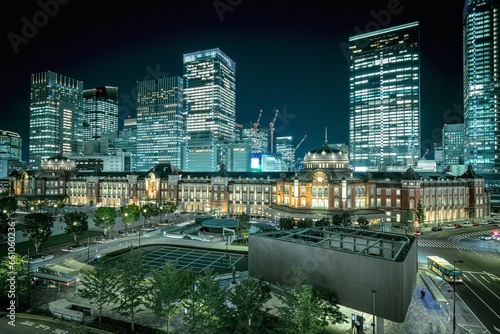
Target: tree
{"x":166,"y":207}
{"x":346,"y":219}
{"x":4,"y":227}
{"x":148,"y":211}
{"x":38,"y":226}
{"x":8,"y":205}
{"x":13,"y":265}
{"x":99,"y":286}
{"x":336,"y":220}
{"x":328,"y":304}
{"x":169,"y":287}
{"x":206,"y":305}
{"x":248,"y":300}
{"x":287,"y":223}
{"x":300,"y":311}
{"x":420,"y":214}
{"x":407,"y":219}
{"x":105,"y":218}
{"x":305,"y":223}
{"x":130,"y":213}
{"x":363,"y":222}
{"x":130,"y":288}
{"x":76,"y":224}
{"x":243,"y":226}
{"x":323,"y":222}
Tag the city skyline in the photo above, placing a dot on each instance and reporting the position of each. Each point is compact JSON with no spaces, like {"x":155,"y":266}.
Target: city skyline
{"x":290,"y":57}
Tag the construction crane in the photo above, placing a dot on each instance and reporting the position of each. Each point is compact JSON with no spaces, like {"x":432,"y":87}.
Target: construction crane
{"x":292,"y":157}
{"x":256,"y":124}
{"x":271,"y":129}
{"x":425,"y":154}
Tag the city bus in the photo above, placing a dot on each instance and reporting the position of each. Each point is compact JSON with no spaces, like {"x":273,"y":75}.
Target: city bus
{"x":444,"y":269}
{"x":60,"y":271}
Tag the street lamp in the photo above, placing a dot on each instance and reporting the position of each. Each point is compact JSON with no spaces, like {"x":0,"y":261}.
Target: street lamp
{"x":455,"y":295}
{"x":373,"y":302}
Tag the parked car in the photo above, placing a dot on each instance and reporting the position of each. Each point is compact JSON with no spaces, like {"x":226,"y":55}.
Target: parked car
{"x":458,"y":226}
{"x":450,"y":226}
{"x":417,"y":233}
{"x":475,"y":224}
{"x":467,"y":224}
{"x":435,"y":228}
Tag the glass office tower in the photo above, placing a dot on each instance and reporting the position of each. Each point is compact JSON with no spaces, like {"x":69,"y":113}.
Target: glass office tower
{"x":11,"y":145}
{"x":100,"y":107}
{"x":160,"y":122}
{"x":56,"y":116}
{"x":384,"y":98}
{"x":453,"y":144}
{"x":481,"y":60}
{"x":210,"y":104}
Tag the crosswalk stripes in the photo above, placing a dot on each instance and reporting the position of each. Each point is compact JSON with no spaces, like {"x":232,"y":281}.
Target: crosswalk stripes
{"x":462,"y":243}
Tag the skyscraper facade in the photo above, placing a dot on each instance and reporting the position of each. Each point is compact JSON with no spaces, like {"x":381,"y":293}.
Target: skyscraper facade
{"x":100,"y":108}
{"x":56,"y":116}
{"x":11,"y":145}
{"x":160,"y":122}
{"x":384,"y":98}
{"x":210,"y":104}
{"x":481,"y":60}
{"x":286,"y":150}
{"x":453,"y":144}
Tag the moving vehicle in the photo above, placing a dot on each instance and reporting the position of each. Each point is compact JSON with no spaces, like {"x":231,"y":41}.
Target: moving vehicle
{"x":435,"y":228}
{"x":417,"y":233}
{"x":449,"y":226}
{"x":467,"y":224}
{"x":444,"y":269}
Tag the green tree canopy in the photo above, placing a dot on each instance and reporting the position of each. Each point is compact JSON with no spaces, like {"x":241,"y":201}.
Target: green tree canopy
{"x":243,"y":226}
{"x":363,"y":222}
{"x":149,"y":210}
{"x":105,"y":218}
{"x":38,"y":226}
{"x":8,"y":205}
{"x":76,"y":224}
{"x":420,"y":214}
{"x":130,"y":213}
{"x":287,"y":223}
{"x":99,"y":286}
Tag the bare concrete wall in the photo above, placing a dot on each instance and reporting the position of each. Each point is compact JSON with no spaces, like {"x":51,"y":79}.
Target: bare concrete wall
{"x":352,"y":276}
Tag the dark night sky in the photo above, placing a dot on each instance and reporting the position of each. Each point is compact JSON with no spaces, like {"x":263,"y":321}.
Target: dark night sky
{"x":289,"y":56}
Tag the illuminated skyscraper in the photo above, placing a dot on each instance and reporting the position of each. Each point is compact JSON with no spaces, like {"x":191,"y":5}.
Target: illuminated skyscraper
{"x":481,"y":59}
{"x":11,"y":145}
{"x":160,"y":122}
{"x":453,"y":144}
{"x":384,"y":98}
{"x":210,"y":104}
{"x":56,"y":116}
{"x":100,"y":107}
{"x":286,"y":150}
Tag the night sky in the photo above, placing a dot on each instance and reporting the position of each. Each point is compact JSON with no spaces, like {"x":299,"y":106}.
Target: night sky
{"x":289,"y":55}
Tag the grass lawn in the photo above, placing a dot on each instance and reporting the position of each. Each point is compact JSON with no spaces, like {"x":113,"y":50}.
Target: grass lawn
{"x":57,"y":240}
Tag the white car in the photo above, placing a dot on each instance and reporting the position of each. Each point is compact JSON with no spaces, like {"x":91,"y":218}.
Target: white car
{"x":449,"y":226}
{"x":467,"y":224}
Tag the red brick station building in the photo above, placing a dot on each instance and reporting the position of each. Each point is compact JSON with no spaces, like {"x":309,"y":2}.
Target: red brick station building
{"x":324,"y":187}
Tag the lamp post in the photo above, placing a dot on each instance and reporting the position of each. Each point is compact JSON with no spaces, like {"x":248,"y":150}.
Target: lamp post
{"x":455,"y":295}
{"x":373,"y":306}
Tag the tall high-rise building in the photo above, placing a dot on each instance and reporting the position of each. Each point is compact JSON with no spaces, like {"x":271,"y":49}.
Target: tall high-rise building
{"x":285,"y":149}
{"x":210,"y":105}
{"x":56,"y":116}
{"x":11,"y":145}
{"x":481,"y":59}
{"x":258,"y":137}
{"x":160,"y":122}
{"x":130,"y":140}
{"x":453,"y":144}
{"x":384,"y":98}
{"x":100,"y":108}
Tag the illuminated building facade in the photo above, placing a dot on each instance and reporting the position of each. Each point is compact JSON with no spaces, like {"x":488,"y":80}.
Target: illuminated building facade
{"x":326,"y":186}
{"x":286,"y":150}
{"x":481,"y":59}
{"x":453,"y":144}
{"x":160,"y":122}
{"x":11,"y":145}
{"x":384,"y":98}
{"x":258,"y":137}
{"x":56,"y":116}
{"x":210,"y":105}
{"x":100,"y":107}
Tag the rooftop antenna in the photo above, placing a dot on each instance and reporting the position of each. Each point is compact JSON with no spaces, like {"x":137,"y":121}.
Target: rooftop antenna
{"x":326,"y":135}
